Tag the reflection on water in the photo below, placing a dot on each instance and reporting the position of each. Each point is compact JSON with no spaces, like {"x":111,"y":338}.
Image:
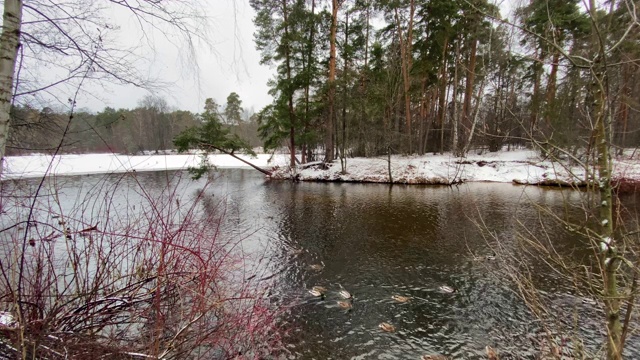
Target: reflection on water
{"x":377,"y":241}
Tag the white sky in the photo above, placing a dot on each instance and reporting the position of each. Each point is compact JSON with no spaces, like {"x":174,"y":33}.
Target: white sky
{"x":233,"y":65}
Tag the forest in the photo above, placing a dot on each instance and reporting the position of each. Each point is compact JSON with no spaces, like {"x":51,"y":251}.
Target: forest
{"x":366,"y":78}
{"x":148,"y":128}
{"x":154,"y":265}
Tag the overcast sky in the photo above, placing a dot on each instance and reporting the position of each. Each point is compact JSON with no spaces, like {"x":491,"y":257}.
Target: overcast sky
{"x":230,"y":63}
{"x":233,"y":65}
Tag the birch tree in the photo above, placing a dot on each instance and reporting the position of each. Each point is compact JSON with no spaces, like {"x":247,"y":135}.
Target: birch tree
{"x":9,"y":40}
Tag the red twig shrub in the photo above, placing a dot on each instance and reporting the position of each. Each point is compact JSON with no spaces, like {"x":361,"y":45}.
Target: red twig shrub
{"x":122,"y":270}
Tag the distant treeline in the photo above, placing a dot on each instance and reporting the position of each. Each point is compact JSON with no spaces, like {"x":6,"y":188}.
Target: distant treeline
{"x":151,"y":126}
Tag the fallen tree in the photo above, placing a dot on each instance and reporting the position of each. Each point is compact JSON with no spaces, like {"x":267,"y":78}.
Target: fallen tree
{"x":212,"y":136}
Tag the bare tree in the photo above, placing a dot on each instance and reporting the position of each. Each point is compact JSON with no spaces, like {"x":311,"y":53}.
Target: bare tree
{"x":612,"y":277}
{"x":47,"y":45}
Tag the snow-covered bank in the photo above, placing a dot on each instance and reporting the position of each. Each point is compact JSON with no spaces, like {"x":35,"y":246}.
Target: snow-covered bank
{"x":519,"y":166}
{"x":17,"y":167}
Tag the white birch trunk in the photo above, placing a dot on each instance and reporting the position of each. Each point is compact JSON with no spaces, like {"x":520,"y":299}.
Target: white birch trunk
{"x":9,"y":42}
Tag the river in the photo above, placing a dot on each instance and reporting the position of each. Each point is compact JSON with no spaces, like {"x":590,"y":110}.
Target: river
{"x":376,"y":241}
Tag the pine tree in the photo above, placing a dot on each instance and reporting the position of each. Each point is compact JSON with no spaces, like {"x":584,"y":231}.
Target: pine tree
{"x":233,"y":109}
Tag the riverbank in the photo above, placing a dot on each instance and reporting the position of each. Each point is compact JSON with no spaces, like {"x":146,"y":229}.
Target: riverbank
{"x":30,"y":166}
{"x":519,"y":166}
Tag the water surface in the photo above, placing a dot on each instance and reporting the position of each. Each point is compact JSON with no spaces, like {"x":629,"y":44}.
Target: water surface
{"x":376,"y":241}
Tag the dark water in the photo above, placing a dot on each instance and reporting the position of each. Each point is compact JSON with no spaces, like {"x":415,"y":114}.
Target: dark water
{"x":377,"y":241}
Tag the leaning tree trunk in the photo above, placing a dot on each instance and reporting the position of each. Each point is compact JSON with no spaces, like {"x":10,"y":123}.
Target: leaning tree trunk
{"x":9,"y":43}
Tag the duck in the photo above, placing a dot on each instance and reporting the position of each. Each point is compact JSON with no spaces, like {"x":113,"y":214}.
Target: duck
{"x":317,"y":291}
{"x":345,"y":294}
{"x":320,"y":289}
{"x":492,"y":354}
{"x":434,"y":357}
{"x":317,"y":267}
{"x":344,"y":304}
{"x":400,"y":298}
{"x":387,"y":327}
{"x":447,"y":289}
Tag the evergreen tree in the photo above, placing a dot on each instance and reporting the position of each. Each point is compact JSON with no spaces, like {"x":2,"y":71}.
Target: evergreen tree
{"x":233,"y":109}
{"x":211,"y":136}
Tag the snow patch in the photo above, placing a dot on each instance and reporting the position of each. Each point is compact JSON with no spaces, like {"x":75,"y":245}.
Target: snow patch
{"x":518,"y":166}
{"x":7,"y":320}
{"x":38,"y":165}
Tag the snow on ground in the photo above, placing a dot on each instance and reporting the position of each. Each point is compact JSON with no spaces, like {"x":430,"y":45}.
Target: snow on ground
{"x":38,"y":165}
{"x":517,"y":166}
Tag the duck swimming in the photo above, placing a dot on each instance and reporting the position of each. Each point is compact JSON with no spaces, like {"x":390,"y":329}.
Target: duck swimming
{"x":387,"y":327}
{"x":447,"y":289}
{"x":400,"y":298}
{"x":491,"y":353}
{"x":320,"y":289}
{"x":345,"y":294}
{"x":344,"y":304}
{"x":317,"y":291}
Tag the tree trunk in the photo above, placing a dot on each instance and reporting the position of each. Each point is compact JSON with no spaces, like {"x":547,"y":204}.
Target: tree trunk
{"x":230,"y":153}
{"x":292,"y":129}
{"x":9,"y":43}
{"x":535,"y":97}
{"x":551,"y":87}
{"x":454,"y":117}
{"x":329,"y":143}
{"x":468,"y":92}
{"x":431,"y":109}
{"x":623,"y":118}
{"x":343,"y":141}
{"x":405,"y":64}
{"x":363,"y":99}
{"x":308,"y":78}
{"x":476,"y":113}
{"x":443,"y":93}
{"x":423,"y":116}
{"x":609,"y":260}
